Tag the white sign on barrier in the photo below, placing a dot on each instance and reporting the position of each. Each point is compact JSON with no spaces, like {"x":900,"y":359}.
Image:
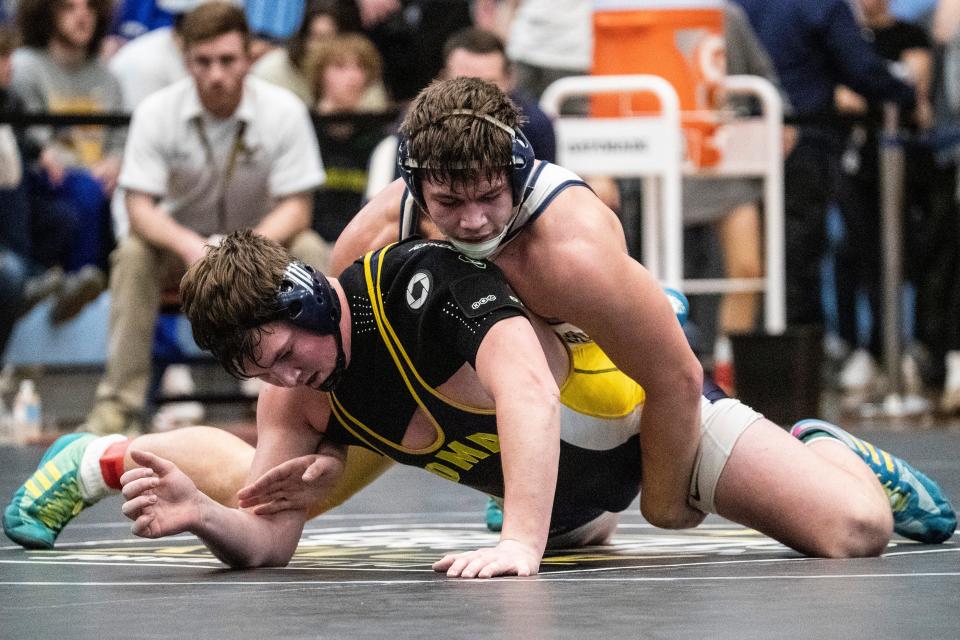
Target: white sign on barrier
{"x":618,"y":147}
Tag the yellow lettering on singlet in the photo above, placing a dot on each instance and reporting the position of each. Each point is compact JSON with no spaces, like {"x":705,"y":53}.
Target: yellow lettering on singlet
{"x":489,"y":441}
{"x":462,"y":455}
{"x":443,"y":471}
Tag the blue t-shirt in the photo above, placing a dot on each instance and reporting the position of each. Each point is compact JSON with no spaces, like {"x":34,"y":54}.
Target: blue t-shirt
{"x":134,"y":18}
{"x":274,"y":19}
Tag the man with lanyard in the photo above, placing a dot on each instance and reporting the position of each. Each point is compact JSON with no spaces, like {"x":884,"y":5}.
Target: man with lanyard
{"x":207,"y":155}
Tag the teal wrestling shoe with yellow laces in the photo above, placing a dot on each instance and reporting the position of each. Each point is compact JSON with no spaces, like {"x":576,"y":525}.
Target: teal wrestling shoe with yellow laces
{"x":920,"y":510}
{"x":50,"y":498}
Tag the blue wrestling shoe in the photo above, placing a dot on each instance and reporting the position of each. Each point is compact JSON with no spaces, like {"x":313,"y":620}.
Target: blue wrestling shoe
{"x":920,"y":510}
{"x":50,"y":498}
{"x":494,"y":514}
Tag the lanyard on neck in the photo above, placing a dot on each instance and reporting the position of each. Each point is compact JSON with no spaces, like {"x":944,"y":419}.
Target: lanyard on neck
{"x":236,"y":149}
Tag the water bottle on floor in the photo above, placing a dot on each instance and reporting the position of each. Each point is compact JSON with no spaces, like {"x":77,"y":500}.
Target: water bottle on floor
{"x":26,"y":414}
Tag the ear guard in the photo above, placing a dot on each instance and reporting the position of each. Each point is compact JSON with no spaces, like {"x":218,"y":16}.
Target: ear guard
{"x":521,"y":158}
{"x":306,"y":300}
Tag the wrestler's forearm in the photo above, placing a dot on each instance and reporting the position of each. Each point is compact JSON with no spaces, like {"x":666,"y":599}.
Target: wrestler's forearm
{"x":363,"y":467}
{"x":242,"y":540}
{"x":512,"y":367}
{"x":530,"y":455}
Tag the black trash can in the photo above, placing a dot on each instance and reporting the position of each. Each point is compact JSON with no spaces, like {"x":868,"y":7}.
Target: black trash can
{"x":779,"y":375}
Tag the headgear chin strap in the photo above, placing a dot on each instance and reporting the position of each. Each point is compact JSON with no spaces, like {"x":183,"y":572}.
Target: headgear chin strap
{"x":307,"y":300}
{"x":521,"y":158}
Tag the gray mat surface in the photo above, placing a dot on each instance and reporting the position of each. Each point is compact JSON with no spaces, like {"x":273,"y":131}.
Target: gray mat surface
{"x":363,"y":571}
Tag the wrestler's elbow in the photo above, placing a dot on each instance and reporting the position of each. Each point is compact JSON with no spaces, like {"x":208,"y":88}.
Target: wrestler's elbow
{"x":683,"y":381}
{"x":270,"y":556}
{"x":682,"y":517}
{"x":690,"y":378}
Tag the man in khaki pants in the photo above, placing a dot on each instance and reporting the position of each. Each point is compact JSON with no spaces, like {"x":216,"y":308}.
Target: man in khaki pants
{"x":209,"y":154}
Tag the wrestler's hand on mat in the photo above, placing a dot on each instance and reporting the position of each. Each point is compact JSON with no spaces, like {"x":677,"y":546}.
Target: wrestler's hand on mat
{"x":160,"y":499}
{"x":294,"y":484}
{"x":509,"y":557}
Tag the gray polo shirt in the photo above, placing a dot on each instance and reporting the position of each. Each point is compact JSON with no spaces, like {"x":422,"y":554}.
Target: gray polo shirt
{"x":180,"y":153}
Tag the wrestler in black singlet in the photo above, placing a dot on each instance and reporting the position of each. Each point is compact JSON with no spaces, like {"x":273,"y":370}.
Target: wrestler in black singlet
{"x":419,"y":312}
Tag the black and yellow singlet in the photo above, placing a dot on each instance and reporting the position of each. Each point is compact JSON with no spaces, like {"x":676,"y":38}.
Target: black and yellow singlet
{"x":419,"y":312}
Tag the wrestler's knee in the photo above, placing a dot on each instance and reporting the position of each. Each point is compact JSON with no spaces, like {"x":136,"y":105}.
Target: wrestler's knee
{"x":858,"y":529}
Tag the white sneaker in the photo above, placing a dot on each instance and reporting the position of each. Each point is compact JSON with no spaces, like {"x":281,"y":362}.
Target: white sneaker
{"x":910,"y":377}
{"x":950,"y":401}
{"x":860,"y":372}
{"x":177,"y":381}
{"x":251,"y":387}
{"x":178,"y":414}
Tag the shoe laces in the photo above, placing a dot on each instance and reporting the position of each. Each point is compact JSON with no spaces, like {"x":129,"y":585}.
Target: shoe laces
{"x":899,"y":499}
{"x":62,"y":505}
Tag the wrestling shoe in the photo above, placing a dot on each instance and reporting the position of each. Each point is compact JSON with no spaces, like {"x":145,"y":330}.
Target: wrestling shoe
{"x":50,"y":498}
{"x":920,"y":510}
{"x":494,"y":515}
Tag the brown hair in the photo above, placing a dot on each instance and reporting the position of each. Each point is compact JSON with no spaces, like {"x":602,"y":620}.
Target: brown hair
{"x":37,"y":21}
{"x":339,"y":49}
{"x":211,"y":20}
{"x":297,"y":45}
{"x":478,"y":41}
{"x":230,"y":293}
{"x":460,"y":149}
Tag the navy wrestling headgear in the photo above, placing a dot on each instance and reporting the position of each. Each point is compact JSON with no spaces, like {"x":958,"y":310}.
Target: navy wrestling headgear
{"x":521,"y":158}
{"x":307,"y":300}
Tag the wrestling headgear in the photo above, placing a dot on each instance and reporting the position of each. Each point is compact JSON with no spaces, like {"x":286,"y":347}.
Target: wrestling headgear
{"x":521,"y":158}
{"x":307,"y":300}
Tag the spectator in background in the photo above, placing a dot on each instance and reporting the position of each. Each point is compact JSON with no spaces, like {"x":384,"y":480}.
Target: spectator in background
{"x":57,"y":71}
{"x":549,"y":40}
{"x":343,"y":70}
{"x":287,"y":67}
{"x":816,"y":45}
{"x":15,"y":288}
{"x":209,"y":154}
{"x":410,"y":37}
{"x":859,"y":259}
{"x":145,"y":65}
{"x":154,"y":60}
{"x":23,"y":281}
{"x":940,"y":326}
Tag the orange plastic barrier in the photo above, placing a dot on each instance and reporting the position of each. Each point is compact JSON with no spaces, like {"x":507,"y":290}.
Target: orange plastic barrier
{"x":681,"y":41}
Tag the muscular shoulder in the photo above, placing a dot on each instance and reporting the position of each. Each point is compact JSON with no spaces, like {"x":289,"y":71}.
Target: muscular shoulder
{"x":576,"y":239}
{"x":574,"y":225}
{"x":376,"y":225}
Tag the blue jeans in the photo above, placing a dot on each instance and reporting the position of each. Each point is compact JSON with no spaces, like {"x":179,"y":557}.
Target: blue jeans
{"x":13,"y":278}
